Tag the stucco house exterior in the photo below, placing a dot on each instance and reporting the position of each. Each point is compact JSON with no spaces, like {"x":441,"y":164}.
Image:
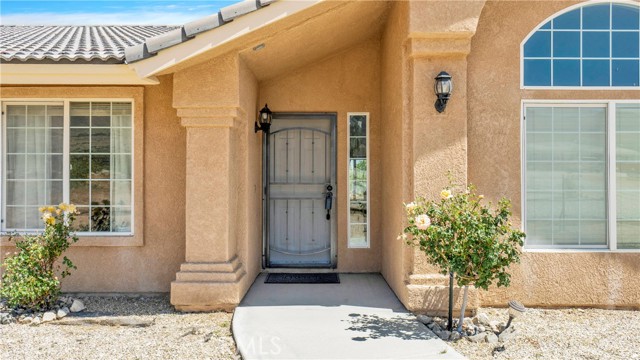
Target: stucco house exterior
{"x":149,"y":130}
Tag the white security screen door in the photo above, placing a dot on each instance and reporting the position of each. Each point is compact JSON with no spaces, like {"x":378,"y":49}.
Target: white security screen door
{"x":301,"y":191}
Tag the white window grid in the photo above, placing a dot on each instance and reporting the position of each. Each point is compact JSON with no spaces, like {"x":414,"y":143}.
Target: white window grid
{"x":611,"y":189}
{"x":66,"y":165}
{"x":367,"y":173}
{"x":580,"y":58}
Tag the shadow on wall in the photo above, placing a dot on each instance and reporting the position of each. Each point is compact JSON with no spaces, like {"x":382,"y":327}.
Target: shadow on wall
{"x":376,"y":327}
{"x":435,"y":299}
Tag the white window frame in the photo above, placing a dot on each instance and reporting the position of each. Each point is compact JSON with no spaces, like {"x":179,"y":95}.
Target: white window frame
{"x":561,"y":12}
{"x":348,"y":202}
{"x":66,"y":151}
{"x":610,"y":181}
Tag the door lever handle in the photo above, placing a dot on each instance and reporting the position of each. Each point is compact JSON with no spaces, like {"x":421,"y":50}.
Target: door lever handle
{"x":328,"y":201}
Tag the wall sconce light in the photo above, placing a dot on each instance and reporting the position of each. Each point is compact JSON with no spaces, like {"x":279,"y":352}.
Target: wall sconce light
{"x":264,"y":120}
{"x":443,"y":89}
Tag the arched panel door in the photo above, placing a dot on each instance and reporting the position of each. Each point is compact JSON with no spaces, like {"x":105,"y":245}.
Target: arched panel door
{"x":301,"y":188}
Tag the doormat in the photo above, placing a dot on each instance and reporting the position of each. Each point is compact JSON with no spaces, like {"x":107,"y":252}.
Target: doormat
{"x":284,"y":278}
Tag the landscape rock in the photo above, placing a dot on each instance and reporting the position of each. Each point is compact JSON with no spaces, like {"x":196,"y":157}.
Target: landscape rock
{"x":481,"y":329}
{"x":48,"y":316}
{"x":77,"y":306}
{"x":507,"y":334}
{"x":477,"y":338}
{"x":495,"y":326}
{"x":467,"y":322}
{"x":25,"y":319}
{"x":481,"y":319}
{"x":444,"y":334}
{"x":434,"y":327}
{"x":36,"y":320}
{"x":425,"y":319}
{"x":62,"y":312}
{"x":455,"y":336}
{"x":492,"y":338}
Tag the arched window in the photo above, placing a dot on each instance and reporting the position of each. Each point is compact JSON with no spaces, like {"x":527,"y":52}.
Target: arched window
{"x":596,"y":44}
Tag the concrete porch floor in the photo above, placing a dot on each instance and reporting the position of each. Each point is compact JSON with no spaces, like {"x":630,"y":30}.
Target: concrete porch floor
{"x":360,"y":318}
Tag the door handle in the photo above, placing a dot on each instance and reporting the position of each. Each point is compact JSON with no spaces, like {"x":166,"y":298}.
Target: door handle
{"x":328,"y":201}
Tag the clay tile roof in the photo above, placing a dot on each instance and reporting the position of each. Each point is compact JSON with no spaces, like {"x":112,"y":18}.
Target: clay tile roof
{"x":151,"y":46}
{"x":108,"y":44}
{"x":73,"y":43}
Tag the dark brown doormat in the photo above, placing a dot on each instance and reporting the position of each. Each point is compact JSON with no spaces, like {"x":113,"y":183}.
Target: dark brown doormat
{"x":284,"y":278}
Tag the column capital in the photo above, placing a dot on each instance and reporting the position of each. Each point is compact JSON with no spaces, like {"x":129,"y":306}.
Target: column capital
{"x":433,"y":45}
{"x":228,"y":117}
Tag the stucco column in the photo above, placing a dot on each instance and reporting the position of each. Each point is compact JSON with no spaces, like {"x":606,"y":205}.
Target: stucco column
{"x":210,"y":279}
{"x":440,"y":38}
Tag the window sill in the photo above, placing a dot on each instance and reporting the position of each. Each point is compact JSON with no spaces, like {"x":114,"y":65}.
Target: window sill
{"x":95,"y":241}
{"x":592,"y":250}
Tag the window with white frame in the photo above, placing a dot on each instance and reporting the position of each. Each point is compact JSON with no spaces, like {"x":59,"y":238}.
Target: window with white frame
{"x":592,"y":45}
{"x":358,"y":177}
{"x":582,"y":174}
{"x":69,"y":151}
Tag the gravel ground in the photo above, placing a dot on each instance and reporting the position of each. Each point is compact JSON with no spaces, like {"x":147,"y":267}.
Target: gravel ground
{"x":172,"y":335}
{"x":563,"y":334}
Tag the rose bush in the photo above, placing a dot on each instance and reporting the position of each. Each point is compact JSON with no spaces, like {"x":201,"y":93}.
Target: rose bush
{"x":30,"y":279}
{"x":460,"y":234}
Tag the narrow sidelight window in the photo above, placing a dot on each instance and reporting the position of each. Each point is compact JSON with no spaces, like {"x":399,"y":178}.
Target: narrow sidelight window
{"x":358,"y":177}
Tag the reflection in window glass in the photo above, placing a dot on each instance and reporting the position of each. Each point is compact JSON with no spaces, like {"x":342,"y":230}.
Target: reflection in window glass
{"x":358,"y":181}
{"x":100,"y":165}
{"x":594,"y":45}
{"x":628,"y":175}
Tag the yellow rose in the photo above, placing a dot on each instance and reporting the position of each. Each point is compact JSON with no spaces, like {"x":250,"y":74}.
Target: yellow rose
{"x":446,"y":194}
{"x":48,"y":219}
{"x":481,"y":197}
{"x":51,"y":209}
{"x":42,"y":209}
{"x":63,"y":207}
{"x":72,"y":208}
{"x":411,"y":206}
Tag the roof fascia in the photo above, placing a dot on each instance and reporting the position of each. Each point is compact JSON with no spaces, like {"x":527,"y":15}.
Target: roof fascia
{"x":174,"y":55}
{"x":71,"y":74}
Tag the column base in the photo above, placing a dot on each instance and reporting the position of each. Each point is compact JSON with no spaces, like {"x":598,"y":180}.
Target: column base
{"x":209,"y":286}
{"x":429,"y":294}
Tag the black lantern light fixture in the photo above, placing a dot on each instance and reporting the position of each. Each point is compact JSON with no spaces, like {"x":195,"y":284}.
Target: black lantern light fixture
{"x":264,"y":119}
{"x":443,"y":89}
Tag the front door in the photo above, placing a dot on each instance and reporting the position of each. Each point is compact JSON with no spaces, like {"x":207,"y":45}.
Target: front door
{"x":300,"y":193}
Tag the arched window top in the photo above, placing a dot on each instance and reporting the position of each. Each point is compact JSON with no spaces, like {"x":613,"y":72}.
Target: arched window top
{"x":592,"y":45}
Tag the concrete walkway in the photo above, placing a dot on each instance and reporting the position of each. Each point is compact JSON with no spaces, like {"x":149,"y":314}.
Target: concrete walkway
{"x":360,"y":318}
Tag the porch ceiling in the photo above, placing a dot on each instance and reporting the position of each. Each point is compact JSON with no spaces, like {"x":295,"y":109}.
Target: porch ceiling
{"x":328,"y":33}
{"x":297,"y":39}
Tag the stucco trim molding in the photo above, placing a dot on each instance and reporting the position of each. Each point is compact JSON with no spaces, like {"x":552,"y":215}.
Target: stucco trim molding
{"x":439,"y":45}
{"x":211,"y":117}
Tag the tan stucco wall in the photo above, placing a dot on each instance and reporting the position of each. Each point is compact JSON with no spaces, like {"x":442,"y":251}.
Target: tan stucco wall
{"x":151,"y":266}
{"x":543,"y":278}
{"x":395,"y":159}
{"x":345,"y":82}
